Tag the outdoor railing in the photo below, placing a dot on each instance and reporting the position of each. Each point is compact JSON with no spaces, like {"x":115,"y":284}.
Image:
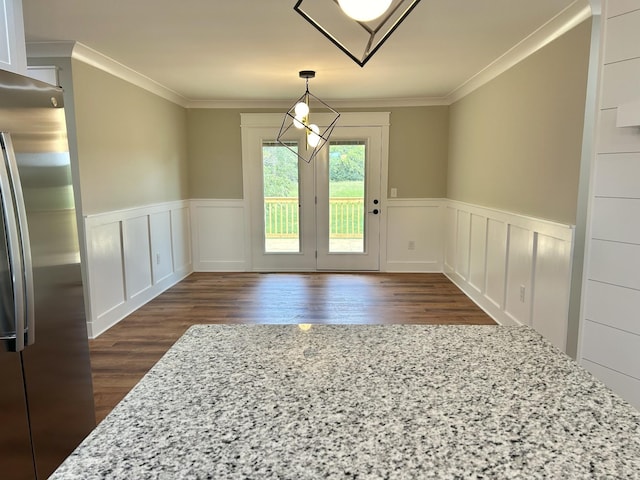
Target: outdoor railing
{"x":346,"y":215}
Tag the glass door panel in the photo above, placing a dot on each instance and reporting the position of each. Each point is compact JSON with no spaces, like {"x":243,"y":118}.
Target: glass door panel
{"x":281,"y":195}
{"x":348,"y":200}
{"x":346,"y":196}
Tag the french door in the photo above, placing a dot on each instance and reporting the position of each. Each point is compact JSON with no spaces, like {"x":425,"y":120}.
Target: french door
{"x":323,"y":215}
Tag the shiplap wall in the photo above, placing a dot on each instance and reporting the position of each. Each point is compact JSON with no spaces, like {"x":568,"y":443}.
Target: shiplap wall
{"x":132,"y":256}
{"x":516,"y":268}
{"x":610,"y":320}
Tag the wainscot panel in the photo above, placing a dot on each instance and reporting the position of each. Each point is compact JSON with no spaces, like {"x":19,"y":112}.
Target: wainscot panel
{"x":414,"y":235}
{"x":136,"y":253}
{"x":131,"y":259}
{"x":220,"y":241}
{"x":516,"y":268}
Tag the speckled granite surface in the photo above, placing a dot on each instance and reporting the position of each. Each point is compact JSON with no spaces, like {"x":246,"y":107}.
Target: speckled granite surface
{"x":366,"y":402}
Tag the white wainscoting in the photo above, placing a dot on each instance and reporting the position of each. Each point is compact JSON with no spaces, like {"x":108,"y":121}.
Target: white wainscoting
{"x":514,"y":267}
{"x":134,"y":255}
{"x":414,"y":237}
{"x":220,"y":236}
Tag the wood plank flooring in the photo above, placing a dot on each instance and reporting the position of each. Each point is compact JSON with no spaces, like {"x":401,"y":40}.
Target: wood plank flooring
{"x":121,"y":356}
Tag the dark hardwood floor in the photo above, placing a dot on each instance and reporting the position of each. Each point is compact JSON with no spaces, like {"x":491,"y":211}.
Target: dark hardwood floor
{"x":121,"y":356}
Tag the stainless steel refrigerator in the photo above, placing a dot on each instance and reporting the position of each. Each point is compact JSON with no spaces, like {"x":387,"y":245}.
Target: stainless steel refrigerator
{"x":46,"y":398}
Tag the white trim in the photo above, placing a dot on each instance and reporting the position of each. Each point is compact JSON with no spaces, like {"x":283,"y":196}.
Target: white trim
{"x":561,"y":231}
{"x":134,"y":212}
{"x":335,"y":103}
{"x":88,"y":55}
{"x":570,"y":17}
{"x":426,"y":232}
{"x":347,"y":119}
{"x":109,"y":299}
{"x":232,"y":248}
{"x":515,"y":267}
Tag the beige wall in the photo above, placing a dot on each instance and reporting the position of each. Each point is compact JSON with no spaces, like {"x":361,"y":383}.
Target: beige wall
{"x":215,"y":153}
{"x":418,"y":149}
{"x":418,"y":143}
{"x":515,"y":143}
{"x":132,"y":144}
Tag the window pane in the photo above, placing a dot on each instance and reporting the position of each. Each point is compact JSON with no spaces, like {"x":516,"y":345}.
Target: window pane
{"x":281,"y":202}
{"x":346,"y":197}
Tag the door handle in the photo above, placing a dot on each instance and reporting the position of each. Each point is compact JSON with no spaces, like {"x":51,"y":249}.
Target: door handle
{"x":14,"y":248}
{"x":375,"y":211}
{"x":23,"y":236}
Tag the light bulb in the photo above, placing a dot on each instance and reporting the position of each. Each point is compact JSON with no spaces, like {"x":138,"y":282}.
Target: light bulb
{"x":364,"y":10}
{"x":301,"y":109}
{"x":313,"y":137}
{"x":298,"y":122}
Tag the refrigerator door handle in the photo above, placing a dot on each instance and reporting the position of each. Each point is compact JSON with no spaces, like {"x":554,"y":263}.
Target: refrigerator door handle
{"x":25,"y":244}
{"x":17,"y":244}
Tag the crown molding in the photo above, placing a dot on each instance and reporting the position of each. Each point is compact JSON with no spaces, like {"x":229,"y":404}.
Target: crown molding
{"x":88,"y":55}
{"x":280,"y":104}
{"x":570,"y":17}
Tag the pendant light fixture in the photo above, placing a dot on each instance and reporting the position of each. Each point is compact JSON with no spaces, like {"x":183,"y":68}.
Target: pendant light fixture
{"x":357,"y":27}
{"x":299,"y":117}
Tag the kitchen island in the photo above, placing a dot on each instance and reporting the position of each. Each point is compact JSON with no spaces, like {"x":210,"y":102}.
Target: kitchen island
{"x":366,"y":402}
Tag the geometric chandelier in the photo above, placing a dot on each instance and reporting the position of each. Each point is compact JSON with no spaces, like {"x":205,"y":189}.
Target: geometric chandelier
{"x":298,"y":117}
{"x":357,"y":27}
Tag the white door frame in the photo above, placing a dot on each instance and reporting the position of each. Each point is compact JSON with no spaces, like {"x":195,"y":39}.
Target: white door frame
{"x":255,"y":126}
{"x":369,"y":259}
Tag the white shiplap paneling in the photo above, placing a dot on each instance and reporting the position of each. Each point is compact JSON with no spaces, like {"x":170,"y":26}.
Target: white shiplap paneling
{"x":613,"y":348}
{"x":613,"y":219}
{"x":623,"y":37}
{"x":616,"y":175}
{"x":621,"y":81}
{"x":620,"y":7}
{"x":609,"y":323}
{"x":612,"y":139}
{"x":613,"y":306}
{"x":615,"y":263}
{"x":625,"y":386}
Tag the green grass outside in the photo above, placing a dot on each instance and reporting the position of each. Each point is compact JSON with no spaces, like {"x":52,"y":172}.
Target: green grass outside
{"x":347,"y":189}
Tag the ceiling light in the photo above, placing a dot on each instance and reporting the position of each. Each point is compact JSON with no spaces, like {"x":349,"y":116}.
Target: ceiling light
{"x":298,"y":117}
{"x":357,"y":27}
{"x":364,"y":10}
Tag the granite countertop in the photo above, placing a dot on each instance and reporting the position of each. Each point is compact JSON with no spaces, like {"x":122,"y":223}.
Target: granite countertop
{"x":366,"y":402}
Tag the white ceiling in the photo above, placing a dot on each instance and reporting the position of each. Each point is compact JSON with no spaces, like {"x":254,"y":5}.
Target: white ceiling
{"x":252,"y":50}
